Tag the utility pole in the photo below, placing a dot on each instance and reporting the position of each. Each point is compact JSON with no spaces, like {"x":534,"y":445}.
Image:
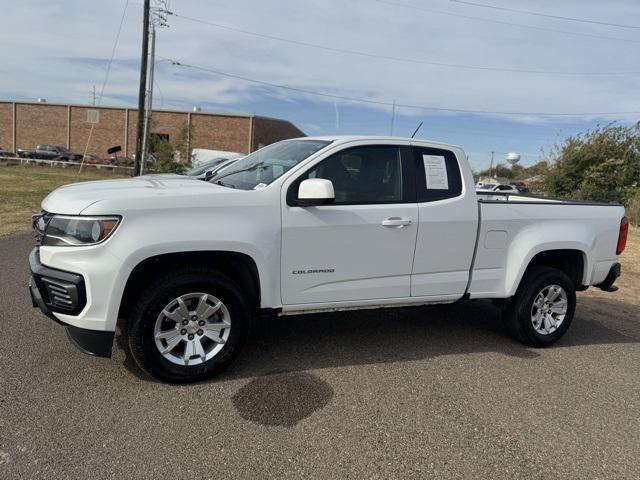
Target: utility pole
{"x":142,"y":88}
{"x":491,"y":166}
{"x":149,"y":109}
{"x":393,"y":116}
{"x":93,"y":95}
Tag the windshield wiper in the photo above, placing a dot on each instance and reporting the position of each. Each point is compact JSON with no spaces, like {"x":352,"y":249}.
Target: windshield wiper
{"x":247,"y":169}
{"x":223,"y":184}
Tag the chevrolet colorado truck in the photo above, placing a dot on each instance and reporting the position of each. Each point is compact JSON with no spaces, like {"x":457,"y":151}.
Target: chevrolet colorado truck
{"x":182,"y":266}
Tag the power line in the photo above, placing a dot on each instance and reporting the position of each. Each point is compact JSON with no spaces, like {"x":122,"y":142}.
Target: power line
{"x":106,"y":78}
{"x":395,"y":58}
{"x":500,"y":22}
{"x":546,"y":15}
{"x":390,"y":104}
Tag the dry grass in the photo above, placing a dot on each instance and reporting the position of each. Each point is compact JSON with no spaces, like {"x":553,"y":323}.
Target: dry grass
{"x":631,"y":254}
{"x":22,"y":188}
{"x":629,"y":282}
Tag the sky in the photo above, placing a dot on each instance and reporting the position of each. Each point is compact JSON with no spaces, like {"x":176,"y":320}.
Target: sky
{"x":465,"y":61}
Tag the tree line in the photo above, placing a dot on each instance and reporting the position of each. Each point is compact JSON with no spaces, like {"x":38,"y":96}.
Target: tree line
{"x":602,"y":165}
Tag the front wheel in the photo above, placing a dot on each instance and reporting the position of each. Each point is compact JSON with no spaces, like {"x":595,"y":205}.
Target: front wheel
{"x":188,"y":325}
{"x":543,"y":307}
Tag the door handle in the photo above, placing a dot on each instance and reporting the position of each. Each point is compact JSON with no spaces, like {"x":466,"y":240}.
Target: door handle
{"x":396,"y":222}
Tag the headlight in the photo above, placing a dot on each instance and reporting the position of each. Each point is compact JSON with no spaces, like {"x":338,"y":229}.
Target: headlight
{"x":68,"y":231}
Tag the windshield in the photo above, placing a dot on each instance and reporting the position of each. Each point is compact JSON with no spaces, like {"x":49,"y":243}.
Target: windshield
{"x":487,"y":186}
{"x":264,"y":166}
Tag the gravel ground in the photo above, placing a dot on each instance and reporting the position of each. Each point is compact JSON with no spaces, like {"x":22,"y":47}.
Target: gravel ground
{"x":439,"y":392}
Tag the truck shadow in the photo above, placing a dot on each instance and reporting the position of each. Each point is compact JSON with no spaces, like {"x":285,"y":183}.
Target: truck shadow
{"x":317,"y":341}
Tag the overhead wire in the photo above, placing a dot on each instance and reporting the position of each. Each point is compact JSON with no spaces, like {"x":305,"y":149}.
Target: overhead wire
{"x":397,"y":104}
{"x":400,"y":59}
{"x":546,"y":15}
{"x":106,"y":79}
{"x":501,"y":22}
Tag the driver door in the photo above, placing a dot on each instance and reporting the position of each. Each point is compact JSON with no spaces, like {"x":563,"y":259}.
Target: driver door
{"x":361,"y":246}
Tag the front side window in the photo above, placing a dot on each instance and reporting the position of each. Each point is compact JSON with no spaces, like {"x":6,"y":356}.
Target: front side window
{"x":362,"y":175}
{"x":263,"y":166}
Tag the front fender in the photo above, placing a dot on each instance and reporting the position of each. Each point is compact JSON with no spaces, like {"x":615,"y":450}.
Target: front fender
{"x":254,"y":233}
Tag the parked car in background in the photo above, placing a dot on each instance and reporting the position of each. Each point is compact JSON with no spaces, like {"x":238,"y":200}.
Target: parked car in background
{"x":208,"y":169}
{"x":506,"y":189}
{"x":6,"y":153}
{"x":201,"y":155}
{"x":521,"y":187}
{"x":487,"y":187}
{"x":492,"y":187}
{"x":50,"y":152}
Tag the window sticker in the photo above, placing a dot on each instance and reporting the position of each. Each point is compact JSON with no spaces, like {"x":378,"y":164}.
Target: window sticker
{"x":435,"y":170}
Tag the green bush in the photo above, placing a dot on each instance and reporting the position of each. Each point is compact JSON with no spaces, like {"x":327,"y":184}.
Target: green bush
{"x":604,"y":182}
{"x":170,"y":155}
{"x":602,"y":165}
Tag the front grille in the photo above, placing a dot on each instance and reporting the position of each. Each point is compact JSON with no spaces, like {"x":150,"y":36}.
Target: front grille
{"x":61,"y":291}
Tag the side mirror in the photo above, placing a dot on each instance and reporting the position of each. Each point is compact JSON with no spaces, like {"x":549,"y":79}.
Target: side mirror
{"x":315,"y":191}
{"x":208,"y":175}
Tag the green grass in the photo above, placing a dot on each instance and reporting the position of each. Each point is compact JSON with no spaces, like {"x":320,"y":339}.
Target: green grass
{"x":22,"y":188}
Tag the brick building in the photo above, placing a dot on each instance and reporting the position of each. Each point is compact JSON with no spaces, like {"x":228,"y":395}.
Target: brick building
{"x":25,"y":125}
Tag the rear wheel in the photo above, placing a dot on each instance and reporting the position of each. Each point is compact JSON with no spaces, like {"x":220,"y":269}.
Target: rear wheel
{"x":188,"y":325}
{"x":543,"y":307}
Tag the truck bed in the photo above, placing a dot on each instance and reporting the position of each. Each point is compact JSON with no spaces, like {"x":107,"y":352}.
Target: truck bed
{"x":514,"y":228}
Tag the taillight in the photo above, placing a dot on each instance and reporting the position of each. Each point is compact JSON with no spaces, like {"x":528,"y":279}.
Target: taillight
{"x":622,"y":236}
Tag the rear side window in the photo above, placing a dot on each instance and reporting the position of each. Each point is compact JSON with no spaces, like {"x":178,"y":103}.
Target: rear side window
{"x":437,"y":174}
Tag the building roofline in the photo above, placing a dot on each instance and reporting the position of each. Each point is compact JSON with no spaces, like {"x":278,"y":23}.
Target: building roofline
{"x":162,"y":110}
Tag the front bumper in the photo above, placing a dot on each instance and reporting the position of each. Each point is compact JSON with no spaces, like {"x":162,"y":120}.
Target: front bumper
{"x":58,"y":291}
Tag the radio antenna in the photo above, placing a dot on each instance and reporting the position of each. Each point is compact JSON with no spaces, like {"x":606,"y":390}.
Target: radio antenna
{"x":416,"y":130}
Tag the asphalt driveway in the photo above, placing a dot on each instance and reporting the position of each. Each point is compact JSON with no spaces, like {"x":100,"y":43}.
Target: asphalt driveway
{"x":439,"y":392}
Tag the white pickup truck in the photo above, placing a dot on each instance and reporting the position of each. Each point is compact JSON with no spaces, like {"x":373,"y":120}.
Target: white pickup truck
{"x":181,"y":266}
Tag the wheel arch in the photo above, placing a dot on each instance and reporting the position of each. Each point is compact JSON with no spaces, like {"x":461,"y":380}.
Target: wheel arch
{"x":240,"y":267}
{"x":571,"y":261}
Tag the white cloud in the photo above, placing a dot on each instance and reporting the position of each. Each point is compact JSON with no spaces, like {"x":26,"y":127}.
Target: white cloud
{"x":44,"y":41}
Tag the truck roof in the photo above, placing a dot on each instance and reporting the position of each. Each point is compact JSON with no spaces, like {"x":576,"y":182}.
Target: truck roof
{"x":350,"y":138}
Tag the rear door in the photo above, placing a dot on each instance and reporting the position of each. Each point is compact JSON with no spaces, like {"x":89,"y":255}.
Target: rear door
{"x":447,"y":229}
{"x":361,"y":246}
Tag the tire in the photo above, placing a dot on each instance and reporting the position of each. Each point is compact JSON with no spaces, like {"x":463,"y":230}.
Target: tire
{"x":142,"y":327}
{"x":528,"y":323}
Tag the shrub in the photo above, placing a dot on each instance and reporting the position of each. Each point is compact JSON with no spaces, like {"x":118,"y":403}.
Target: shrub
{"x":169,"y":153}
{"x":602,"y":164}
